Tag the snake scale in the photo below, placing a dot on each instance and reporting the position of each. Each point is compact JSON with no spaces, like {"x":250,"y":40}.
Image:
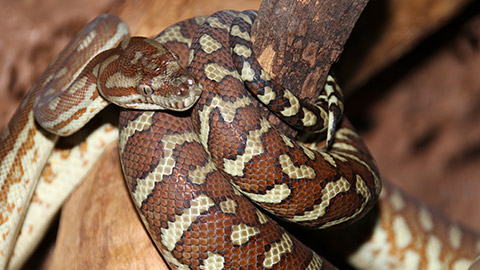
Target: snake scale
{"x":236,"y":151}
{"x":190,"y":174}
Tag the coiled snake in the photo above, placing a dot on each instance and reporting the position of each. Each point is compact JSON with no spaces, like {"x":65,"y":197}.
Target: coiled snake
{"x":189,"y":176}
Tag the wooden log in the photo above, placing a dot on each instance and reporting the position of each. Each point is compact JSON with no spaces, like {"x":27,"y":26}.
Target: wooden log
{"x":298,"y":53}
{"x":299,"y":46}
{"x":100,"y":228}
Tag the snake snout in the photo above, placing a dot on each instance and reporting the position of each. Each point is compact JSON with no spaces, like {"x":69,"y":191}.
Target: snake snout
{"x":186,"y":95}
{"x":195,"y":91}
{"x":185,"y":91}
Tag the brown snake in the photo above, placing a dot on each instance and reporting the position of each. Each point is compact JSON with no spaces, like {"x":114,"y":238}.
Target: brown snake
{"x":188,"y":176}
{"x":286,"y":188}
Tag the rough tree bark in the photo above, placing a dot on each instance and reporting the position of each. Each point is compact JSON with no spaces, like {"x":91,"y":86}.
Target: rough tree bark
{"x":302,"y":41}
{"x":298,"y":41}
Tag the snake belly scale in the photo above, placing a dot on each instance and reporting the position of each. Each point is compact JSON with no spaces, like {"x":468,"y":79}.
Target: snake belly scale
{"x":190,"y":176}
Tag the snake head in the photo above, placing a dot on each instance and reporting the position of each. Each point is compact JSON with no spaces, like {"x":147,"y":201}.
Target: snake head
{"x":142,"y":74}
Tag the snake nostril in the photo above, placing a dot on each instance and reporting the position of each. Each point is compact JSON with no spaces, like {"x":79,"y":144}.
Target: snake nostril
{"x":190,"y":82}
{"x":145,"y":90}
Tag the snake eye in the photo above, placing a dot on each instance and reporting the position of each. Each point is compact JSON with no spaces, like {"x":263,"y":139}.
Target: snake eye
{"x":145,"y":90}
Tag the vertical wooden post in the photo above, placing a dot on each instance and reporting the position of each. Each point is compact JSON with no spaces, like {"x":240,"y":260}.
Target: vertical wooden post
{"x":297,"y":41}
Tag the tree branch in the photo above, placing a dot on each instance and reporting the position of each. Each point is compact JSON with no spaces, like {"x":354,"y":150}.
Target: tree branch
{"x":298,"y":41}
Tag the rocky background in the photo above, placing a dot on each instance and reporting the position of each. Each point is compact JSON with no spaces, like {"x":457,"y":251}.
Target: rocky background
{"x":409,"y":70}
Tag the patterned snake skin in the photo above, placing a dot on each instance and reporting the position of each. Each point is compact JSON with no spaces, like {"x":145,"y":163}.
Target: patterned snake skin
{"x":190,"y":172}
{"x":184,"y":194}
{"x":193,"y":175}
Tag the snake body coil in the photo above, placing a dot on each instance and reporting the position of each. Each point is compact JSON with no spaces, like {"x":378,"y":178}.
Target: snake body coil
{"x":188,"y":176}
{"x":189,"y":205}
